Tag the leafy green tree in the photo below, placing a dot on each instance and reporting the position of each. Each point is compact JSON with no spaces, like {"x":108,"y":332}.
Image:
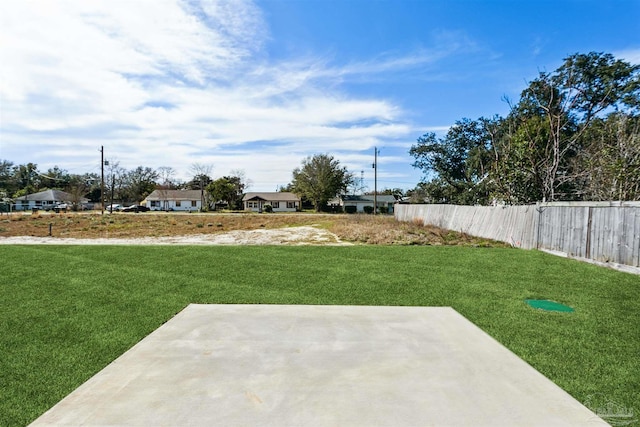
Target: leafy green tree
{"x":93,"y":185}
{"x":27,"y":179}
{"x":286,"y":188}
{"x":564,"y":103}
{"x":319,"y":179}
{"x":522,"y":154}
{"x":8,"y":182}
{"x":593,"y":82}
{"x":56,"y":178}
{"x":227,"y":189}
{"x":456,"y":166}
{"x":138,"y":184}
{"x":94,"y":194}
{"x":200,"y":181}
{"x":240,"y":184}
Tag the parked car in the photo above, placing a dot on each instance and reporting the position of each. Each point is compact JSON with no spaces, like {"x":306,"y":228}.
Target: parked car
{"x":57,"y":206}
{"x":114,"y":207}
{"x":135,"y":208}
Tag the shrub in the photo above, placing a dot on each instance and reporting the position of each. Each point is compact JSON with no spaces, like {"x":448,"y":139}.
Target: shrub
{"x":350,"y":209}
{"x":268,"y":208}
{"x":384,"y":210}
{"x":368,"y":209}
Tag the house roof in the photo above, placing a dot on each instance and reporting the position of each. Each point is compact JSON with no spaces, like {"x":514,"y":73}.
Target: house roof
{"x":381,"y":198}
{"x":275,"y":196}
{"x":174,"y":195}
{"x":51,"y":196}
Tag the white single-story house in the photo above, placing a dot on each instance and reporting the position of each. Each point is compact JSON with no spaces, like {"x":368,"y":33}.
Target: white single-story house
{"x":280,"y":201}
{"x":47,"y":199}
{"x":356,"y":203}
{"x":174,"y":200}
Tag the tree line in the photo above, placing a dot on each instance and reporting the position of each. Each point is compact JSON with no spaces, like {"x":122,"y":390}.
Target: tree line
{"x":120,"y":184}
{"x":574,"y":135}
{"x":319,"y":179}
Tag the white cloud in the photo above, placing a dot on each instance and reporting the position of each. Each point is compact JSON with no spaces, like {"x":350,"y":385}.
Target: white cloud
{"x":174,"y":83}
{"x":629,"y":55}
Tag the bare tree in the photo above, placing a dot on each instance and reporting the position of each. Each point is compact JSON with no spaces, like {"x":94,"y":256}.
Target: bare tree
{"x":201,"y":179}
{"x":610,"y":164}
{"x":242,"y":177}
{"x":568,"y":100}
{"x":166,"y":176}
{"x":200,"y":169}
{"x":114,"y":180}
{"x":165,"y":183}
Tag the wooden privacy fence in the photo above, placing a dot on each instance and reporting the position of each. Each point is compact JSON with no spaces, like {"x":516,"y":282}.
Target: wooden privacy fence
{"x":600,"y":231}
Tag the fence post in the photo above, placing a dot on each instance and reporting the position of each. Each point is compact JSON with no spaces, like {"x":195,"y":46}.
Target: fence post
{"x":539,"y":210}
{"x":587,"y":250}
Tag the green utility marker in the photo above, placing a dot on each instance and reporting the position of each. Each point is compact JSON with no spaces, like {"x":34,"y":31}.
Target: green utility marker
{"x":544,"y":304}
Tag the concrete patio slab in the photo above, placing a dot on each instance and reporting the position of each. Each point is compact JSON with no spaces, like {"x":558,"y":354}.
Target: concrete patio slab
{"x":248,"y":365}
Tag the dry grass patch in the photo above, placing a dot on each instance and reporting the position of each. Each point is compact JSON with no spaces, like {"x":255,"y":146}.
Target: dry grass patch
{"x":364,"y":229}
{"x":385,"y":230}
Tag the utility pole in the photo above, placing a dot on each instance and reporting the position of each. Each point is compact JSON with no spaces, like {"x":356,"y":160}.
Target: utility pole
{"x":26,"y":196}
{"x":102,"y":178}
{"x":375,"y":180}
{"x":113,"y":189}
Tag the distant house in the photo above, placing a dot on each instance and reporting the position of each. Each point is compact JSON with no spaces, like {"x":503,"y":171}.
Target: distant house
{"x":352,"y":203}
{"x":279,"y":201}
{"x":47,"y":199}
{"x":174,"y":200}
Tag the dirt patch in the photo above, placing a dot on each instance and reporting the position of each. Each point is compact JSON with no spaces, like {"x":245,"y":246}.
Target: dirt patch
{"x":304,"y":235}
{"x":213,"y":228}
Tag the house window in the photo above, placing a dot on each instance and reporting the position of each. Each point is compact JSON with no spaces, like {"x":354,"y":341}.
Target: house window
{"x":155,"y":203}
{"x":178,"y":204}
{"x":194,"y":203}
{"x":252,"y":204}
{"x":291,"y":205}
{"x":275,"y":205}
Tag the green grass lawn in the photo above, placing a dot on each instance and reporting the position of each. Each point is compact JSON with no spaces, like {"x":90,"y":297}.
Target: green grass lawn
{"x":67,"y":311}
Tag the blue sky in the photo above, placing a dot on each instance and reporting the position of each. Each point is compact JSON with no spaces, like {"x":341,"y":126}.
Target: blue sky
{"x":259,"y":86}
